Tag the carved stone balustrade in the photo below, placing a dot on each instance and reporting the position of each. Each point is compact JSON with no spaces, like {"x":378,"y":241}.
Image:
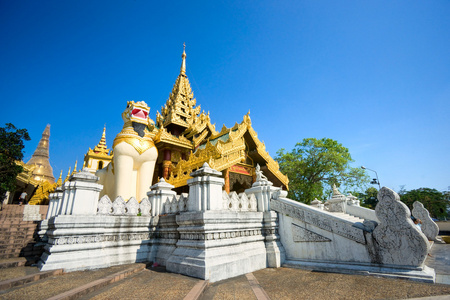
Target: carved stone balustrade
{"x":120,"y":208}
{"x":241,"y":202}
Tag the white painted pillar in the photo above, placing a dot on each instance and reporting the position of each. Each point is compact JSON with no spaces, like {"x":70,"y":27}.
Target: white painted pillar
{"x":263,"y":191}
{"x":158,"y":195}
{"x":80,"y":194}
{"x":205,"y":189}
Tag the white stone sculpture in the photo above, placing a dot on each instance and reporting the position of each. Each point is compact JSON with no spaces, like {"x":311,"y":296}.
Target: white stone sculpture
{"x":259,"y":174}
{"x":134,"y":155}
{"x":397,"y":240}
{"x":337,"y":203}
{"x":429,"y":227}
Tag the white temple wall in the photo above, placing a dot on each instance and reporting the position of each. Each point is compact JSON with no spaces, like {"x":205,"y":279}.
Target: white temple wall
{"x":305,"y":241}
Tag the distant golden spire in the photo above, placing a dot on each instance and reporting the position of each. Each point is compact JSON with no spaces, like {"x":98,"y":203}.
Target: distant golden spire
{"x":59,"y":182}
{"x":68,"y":175}
{"x":101,"y":147}
{"x":75,"y":168}
{"x":40,"y":158}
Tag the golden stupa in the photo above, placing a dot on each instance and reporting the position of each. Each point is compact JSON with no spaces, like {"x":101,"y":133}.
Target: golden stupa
{"x":40,"y":158}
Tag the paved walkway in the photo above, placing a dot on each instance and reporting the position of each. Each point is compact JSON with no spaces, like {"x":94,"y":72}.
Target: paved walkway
{"x":283,"y":283}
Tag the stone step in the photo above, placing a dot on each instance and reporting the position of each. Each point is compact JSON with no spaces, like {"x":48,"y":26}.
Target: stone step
{"x":16,"y":241}
{"x":35,"y":276}
{"x":155,"y":282}
{"x":15,"y":262}
{"x":72,"y":285}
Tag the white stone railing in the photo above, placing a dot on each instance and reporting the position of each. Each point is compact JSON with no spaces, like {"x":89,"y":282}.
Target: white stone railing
{"x":178,"y":203}
{"x":241,"y":202}
{"x":121,"y":207}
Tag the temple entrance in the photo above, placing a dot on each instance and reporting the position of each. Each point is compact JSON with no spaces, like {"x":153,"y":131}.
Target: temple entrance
{"x":240,"y":182}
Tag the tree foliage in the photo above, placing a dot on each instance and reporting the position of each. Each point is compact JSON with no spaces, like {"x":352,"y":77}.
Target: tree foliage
{"x":434,"y":201}
{"x":313,"y":166}
{"x":369,"y":198}
{"x":11,"y":150}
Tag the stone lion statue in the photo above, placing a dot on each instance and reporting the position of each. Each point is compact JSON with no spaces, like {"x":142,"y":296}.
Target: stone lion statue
{"x":131,"y":172}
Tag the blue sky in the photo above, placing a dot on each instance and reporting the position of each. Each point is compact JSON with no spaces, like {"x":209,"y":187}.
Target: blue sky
{"x":373,"y":75}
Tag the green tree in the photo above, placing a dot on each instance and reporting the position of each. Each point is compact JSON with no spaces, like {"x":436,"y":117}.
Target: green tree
{"x":313,"y":166}
{"x":433,"y":200}
{"x":369,"y":198}
{"x":11,"y":147}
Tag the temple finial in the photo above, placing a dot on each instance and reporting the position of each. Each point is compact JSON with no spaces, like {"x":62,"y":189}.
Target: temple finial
{"x":183,"y":62}
{"x":75,"y":168}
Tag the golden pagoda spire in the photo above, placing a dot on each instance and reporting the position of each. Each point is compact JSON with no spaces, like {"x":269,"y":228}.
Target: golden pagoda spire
{"x":75,"y":168}
{"x":68,"y":175}
{"x":183,"y":61}
{"x":180,"y":108}
{"x":40,"y":158}
{"x":59,"y":182}
{"x":101,"y":146}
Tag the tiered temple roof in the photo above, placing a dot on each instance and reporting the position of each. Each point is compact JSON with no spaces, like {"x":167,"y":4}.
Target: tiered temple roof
{"x":186,"y":139}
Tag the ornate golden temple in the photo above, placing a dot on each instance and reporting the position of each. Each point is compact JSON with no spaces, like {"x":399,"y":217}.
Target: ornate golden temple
{"x":186,"y":139}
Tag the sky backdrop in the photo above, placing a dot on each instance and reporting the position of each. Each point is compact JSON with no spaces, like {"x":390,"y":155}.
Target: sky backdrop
{"x":373,"y":75}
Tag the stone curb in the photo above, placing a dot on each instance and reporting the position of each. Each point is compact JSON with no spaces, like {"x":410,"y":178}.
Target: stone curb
{"x":197,"y":290}
{"x":20,"y":262}
{"x":97,"y":284}
{"x":4,"y":285}
{"x":257,"y":289}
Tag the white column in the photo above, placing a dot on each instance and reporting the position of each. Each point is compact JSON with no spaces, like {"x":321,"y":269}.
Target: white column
{"x":158,"y":195}
{"x":205,"y":189}
{"x":80,"y":194}
{"x":263,"y":191}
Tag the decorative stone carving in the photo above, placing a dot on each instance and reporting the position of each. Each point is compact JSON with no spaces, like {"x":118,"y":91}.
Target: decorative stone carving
{"x":183,"y":202}
{"x":241,"y":202}
{"x":252,"y":203}
{"x":396,"y":239}
{"x":145,"y":207}
{"x":301,"y":234}
{"x":429,"y":227}
{"x":119,"y":206}
{"x":105,"y":206}
{"x":132,"y":207}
